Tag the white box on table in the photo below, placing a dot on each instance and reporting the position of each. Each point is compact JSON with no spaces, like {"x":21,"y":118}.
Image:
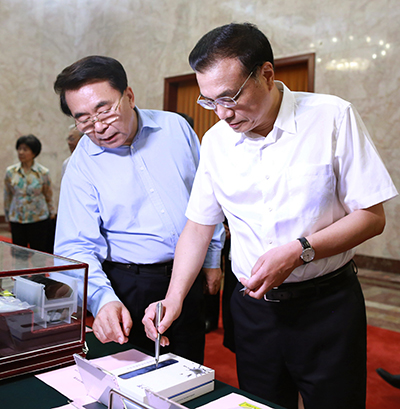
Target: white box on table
{"x":176,"y":378}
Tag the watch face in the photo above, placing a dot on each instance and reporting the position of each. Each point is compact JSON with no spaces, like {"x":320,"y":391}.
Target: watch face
{"x":308,"y":255}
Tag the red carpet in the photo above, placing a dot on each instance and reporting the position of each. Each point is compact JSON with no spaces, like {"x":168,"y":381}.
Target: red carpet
{"x":219,"y":358}
{"x":383,"y":351}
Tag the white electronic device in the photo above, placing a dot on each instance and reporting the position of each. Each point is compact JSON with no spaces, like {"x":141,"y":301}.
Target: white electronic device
{"x":99,"y":382}
{"x":175,"y":378}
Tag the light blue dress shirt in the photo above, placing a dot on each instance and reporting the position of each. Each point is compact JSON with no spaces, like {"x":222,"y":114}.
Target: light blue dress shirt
{"x":128,"y":204}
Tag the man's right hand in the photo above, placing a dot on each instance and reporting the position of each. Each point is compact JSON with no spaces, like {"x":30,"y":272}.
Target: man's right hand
{"x":112,"y":323}
{"x":171,"y":312}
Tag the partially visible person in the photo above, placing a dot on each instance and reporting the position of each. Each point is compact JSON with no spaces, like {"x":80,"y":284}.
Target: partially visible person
{"x":229,"y":286}
{"x":211,"y":301}
{"x":393,"y":380}
{"x":28,"y":198}
{"x":188,"y":118}
{"x":73,"y":138}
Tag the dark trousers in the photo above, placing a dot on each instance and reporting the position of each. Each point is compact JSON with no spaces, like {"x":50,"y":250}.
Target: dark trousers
{"x":230,"y":282}
{"x":38,"y":235}
{"x":137,"y":290}
{"x":315,"y":345}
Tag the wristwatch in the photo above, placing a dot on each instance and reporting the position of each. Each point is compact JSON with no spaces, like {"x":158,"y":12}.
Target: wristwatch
{"x":308,"y":253}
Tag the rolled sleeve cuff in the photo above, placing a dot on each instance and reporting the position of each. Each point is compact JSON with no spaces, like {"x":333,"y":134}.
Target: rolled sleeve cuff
{"x":213,"y":256}
{"x":100,"y":298}
{"x":213,"y":259}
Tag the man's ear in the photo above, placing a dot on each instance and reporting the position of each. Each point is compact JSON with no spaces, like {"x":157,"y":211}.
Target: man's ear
{"x":131,"y":97}
{"x":267,"y":71}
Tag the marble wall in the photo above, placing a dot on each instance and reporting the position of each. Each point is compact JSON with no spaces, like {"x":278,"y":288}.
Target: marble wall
{"x":356,"y":46}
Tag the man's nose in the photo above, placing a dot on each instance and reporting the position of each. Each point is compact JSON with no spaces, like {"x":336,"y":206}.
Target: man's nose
{"x":223,"y":113}
{"x":99,"y":126}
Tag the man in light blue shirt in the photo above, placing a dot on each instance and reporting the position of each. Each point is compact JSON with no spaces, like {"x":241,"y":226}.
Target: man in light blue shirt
{"x":122,"y":204}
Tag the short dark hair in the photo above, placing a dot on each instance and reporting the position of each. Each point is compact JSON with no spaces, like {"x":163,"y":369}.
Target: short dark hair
{"x":94,"y":68}
{"x":243,"y":41}
{"x":31,"y":142}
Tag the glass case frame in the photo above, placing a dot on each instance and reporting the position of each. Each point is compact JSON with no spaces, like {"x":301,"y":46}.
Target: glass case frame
{"x":43,"y":301}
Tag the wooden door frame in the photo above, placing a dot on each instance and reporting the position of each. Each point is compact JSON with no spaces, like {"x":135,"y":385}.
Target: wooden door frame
{"x":308,"y":59}
{"x":171,"y":84}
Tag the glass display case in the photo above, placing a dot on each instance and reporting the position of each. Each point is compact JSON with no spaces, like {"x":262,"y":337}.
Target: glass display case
{"x":42,"y":311}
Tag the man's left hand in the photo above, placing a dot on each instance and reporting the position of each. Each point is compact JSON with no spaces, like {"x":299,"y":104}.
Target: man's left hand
{"x":272,"y":269}
{"x":213,"y":278}
{"x":112,"y":323}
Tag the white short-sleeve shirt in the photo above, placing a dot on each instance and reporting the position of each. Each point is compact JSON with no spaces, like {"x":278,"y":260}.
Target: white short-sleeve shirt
{"x":317,"y":165}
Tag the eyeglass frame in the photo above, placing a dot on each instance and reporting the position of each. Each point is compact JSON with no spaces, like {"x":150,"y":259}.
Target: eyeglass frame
{"x":95,"y":117}
{"x":215,"y":102}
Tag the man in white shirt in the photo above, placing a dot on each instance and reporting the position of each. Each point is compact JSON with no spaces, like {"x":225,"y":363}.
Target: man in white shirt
{"x":301,"y":185}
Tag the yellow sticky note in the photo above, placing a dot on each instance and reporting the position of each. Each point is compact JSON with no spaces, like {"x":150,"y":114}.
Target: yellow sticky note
{"x":248,"y":405}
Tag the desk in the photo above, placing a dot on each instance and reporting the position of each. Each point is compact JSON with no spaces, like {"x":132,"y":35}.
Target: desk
{"x":26,"y":391}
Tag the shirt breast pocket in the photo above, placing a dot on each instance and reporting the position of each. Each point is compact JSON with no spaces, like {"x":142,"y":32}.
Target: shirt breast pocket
{"x":311,"y":189}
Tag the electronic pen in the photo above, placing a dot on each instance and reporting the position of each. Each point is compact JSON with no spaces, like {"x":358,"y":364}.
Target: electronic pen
{"x":159,"y":311}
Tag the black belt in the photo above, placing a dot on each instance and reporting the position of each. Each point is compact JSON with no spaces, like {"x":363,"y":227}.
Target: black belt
{"x":315,"y":286}
{"x":157,"y":268}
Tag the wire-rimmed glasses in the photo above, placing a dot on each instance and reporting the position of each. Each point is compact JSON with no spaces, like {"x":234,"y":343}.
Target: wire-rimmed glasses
{"x":226,"y":102}
{"x":106,"y":117}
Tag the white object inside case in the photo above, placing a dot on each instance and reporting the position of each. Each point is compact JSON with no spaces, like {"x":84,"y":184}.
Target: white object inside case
{"x":48,"y":310}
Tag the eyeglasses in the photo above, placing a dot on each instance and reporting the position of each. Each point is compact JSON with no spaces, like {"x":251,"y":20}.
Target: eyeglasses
{"x":106,"y":117}
{"x":226,"y":102}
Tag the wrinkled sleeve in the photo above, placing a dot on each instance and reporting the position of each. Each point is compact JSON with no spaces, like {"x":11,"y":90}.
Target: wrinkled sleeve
{"x":357,"y":159}
{"x":78,"y":235}
{"x":213,"y":256}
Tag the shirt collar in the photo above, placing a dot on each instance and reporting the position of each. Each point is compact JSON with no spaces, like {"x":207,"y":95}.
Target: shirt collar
{"x":285,"y":119}
{"x":145,"y":121}
{"x":34,"y":167}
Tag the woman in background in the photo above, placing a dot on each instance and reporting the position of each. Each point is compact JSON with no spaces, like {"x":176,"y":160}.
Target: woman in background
{"x":28,"y":198}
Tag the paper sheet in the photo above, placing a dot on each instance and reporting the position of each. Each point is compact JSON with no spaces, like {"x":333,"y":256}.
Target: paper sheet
{"x":68,"y":382}
{"x":234,"y":401}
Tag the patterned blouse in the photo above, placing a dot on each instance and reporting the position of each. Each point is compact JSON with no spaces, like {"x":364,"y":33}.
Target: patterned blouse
{"x":27,"y":196}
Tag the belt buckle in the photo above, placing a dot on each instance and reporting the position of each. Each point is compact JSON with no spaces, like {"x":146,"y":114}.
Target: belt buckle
{"x":268,"y":300}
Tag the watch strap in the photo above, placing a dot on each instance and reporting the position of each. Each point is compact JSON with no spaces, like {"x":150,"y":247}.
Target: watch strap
{"x":304,"y":242}
{"x":308,"y":252}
